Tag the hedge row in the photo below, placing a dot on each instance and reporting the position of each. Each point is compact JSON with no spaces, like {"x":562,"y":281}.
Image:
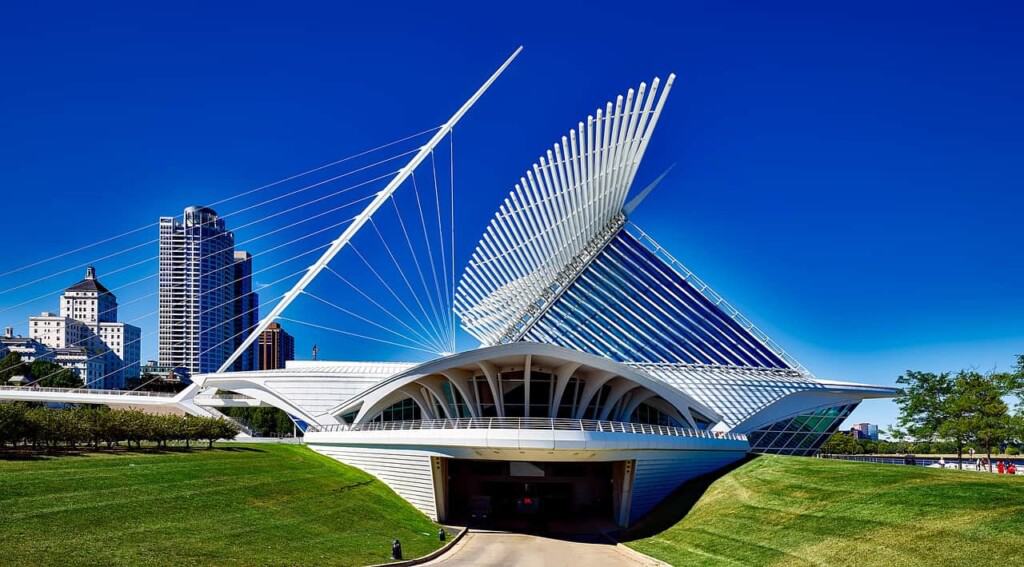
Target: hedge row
{"x":39,"y":427}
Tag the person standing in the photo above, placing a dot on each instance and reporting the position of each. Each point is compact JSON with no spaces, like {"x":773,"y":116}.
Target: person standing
{"x":1000,"y":468}
{"x":1011,"y":468}
{"x":942,"y":462}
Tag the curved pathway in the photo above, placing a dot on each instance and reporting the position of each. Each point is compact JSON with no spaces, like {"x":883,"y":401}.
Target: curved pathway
{"x":485,"y":549}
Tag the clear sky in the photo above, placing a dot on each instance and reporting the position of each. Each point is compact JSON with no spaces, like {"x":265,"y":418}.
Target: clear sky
{"x":849,"y":176}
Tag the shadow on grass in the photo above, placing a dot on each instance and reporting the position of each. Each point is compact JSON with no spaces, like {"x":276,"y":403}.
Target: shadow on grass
{"x":677,"y":505}
{"x":30,"y":454}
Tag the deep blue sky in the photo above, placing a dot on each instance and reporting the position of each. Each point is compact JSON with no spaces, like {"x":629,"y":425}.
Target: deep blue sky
{"x":848,"y":176}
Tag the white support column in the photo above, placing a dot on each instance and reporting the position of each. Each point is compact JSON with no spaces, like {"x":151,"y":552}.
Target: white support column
{"x":363,"y":217}
{"x":562,"y":375}
{"x":460,"y":379}
{"x":618,"y":390}
{"x":433,"y":384}
{"x":416,"y":396}
{"x":592,"y":385}
{"x":634,"y":402}
{"x":491,"y":373}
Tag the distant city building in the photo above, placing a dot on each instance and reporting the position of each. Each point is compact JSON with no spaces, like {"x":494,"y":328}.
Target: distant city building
{"x":198,"y":291}
{"x":276,"y":347}
{"x":90,"y":368}
{"x":246,"y":311}
{"x":165,"y":374}
{"x":865,"y":431}
{"x":77,"y":359}
{"x":87,"y":337}
{"x":29,"y":349}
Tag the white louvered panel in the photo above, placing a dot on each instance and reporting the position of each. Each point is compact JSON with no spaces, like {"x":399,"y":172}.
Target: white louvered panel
{"x":735,"y":392}
{"x":657,"y":477}
{"x":407,"y":473}
{"x":319,"y":396}
{"x":563,"y":205}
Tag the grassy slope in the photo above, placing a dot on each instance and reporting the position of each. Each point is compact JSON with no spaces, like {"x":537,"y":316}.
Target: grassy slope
{"x":801,"y":511}
{"x":238,"y":505}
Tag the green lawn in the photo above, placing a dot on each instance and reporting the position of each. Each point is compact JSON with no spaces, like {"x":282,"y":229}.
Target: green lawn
{"x":234,"y":505}
{"x":802,"y":511}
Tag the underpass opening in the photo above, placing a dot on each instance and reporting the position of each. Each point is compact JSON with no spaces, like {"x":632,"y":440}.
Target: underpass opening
{"x":533,"y":496}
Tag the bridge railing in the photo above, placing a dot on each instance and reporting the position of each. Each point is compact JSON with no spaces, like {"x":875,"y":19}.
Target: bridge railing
{"x":534,"y":423}
{"x":44,"y":390}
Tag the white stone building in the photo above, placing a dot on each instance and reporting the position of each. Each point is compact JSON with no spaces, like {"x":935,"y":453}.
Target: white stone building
{"x":87,"y":337}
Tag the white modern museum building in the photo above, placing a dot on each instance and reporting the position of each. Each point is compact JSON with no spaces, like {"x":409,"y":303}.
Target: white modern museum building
{"x":607,"y":375}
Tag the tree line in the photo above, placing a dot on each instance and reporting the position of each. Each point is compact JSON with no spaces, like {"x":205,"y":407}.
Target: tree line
{"x":842,"y":443}
{"x":949,"y":412}
{"x":46,"y":428}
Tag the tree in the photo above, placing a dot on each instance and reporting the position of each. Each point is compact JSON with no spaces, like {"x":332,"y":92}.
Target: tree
{"x":212,"y":429}
{"x":974,"y":411}
{"x":52,"y":375}
{"x":224,"y":429}
{"x":923,"y":403}
{"x":12,"y":423}
{"x":989,"y":417}
{"x":841,"y":444}
{"x":11,"y":366}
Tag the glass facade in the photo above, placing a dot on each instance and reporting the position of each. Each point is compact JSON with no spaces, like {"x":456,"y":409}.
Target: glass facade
{"x":801,"y":435}
{"x":628,"y":305}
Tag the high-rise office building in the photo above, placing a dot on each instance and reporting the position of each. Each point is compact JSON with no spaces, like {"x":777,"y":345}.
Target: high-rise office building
{"x":246,"y":311}
{"x":276,"y":347}
{"x":198,"y":291}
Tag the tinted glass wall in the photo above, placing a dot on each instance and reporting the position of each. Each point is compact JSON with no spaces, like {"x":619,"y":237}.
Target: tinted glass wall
{"x":630,"y":306}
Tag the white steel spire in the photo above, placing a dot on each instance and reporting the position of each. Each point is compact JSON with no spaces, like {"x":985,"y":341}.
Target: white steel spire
{"x":363,"y":217}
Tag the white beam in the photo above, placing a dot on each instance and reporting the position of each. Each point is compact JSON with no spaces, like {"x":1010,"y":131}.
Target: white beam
{"x":358,"y":223}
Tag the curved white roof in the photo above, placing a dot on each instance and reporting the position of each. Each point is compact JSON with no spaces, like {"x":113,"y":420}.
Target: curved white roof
{"x":456,"y":369}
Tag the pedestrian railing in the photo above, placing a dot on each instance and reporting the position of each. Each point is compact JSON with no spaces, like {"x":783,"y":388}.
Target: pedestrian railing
{"x":91,"y":391}
{"x":531,"y":423}
{"x":968,"y":463}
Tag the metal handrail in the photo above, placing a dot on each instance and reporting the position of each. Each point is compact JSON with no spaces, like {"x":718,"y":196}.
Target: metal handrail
{"x":84,"y":391}
{"x":534,"y":423}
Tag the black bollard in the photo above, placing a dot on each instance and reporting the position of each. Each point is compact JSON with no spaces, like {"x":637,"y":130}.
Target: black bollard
{"x":396,"y":550}
{"x":440,"y":534}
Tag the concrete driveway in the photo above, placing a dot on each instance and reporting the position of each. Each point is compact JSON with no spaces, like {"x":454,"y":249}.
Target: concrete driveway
{"x":484,"y":549}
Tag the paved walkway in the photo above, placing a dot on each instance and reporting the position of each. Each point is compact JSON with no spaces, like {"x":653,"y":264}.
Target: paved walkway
{"x":484,"y":549}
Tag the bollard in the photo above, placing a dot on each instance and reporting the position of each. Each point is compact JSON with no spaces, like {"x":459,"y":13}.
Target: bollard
{"x":396,"y":550}
{"x":440,"y":534}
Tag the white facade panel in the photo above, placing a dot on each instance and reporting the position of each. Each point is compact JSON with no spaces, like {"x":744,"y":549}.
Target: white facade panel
{"x":318,"y":396}
{"x":408,"y":473}
{"x":657,"y":476}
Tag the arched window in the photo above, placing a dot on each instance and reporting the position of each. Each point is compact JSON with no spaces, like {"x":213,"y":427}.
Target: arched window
{"x":645,"y":413}
{"x":405,"y":410}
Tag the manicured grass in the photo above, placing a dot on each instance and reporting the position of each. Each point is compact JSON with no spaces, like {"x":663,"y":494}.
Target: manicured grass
{"x":802,"y":511}
{"x":234,"y":505}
